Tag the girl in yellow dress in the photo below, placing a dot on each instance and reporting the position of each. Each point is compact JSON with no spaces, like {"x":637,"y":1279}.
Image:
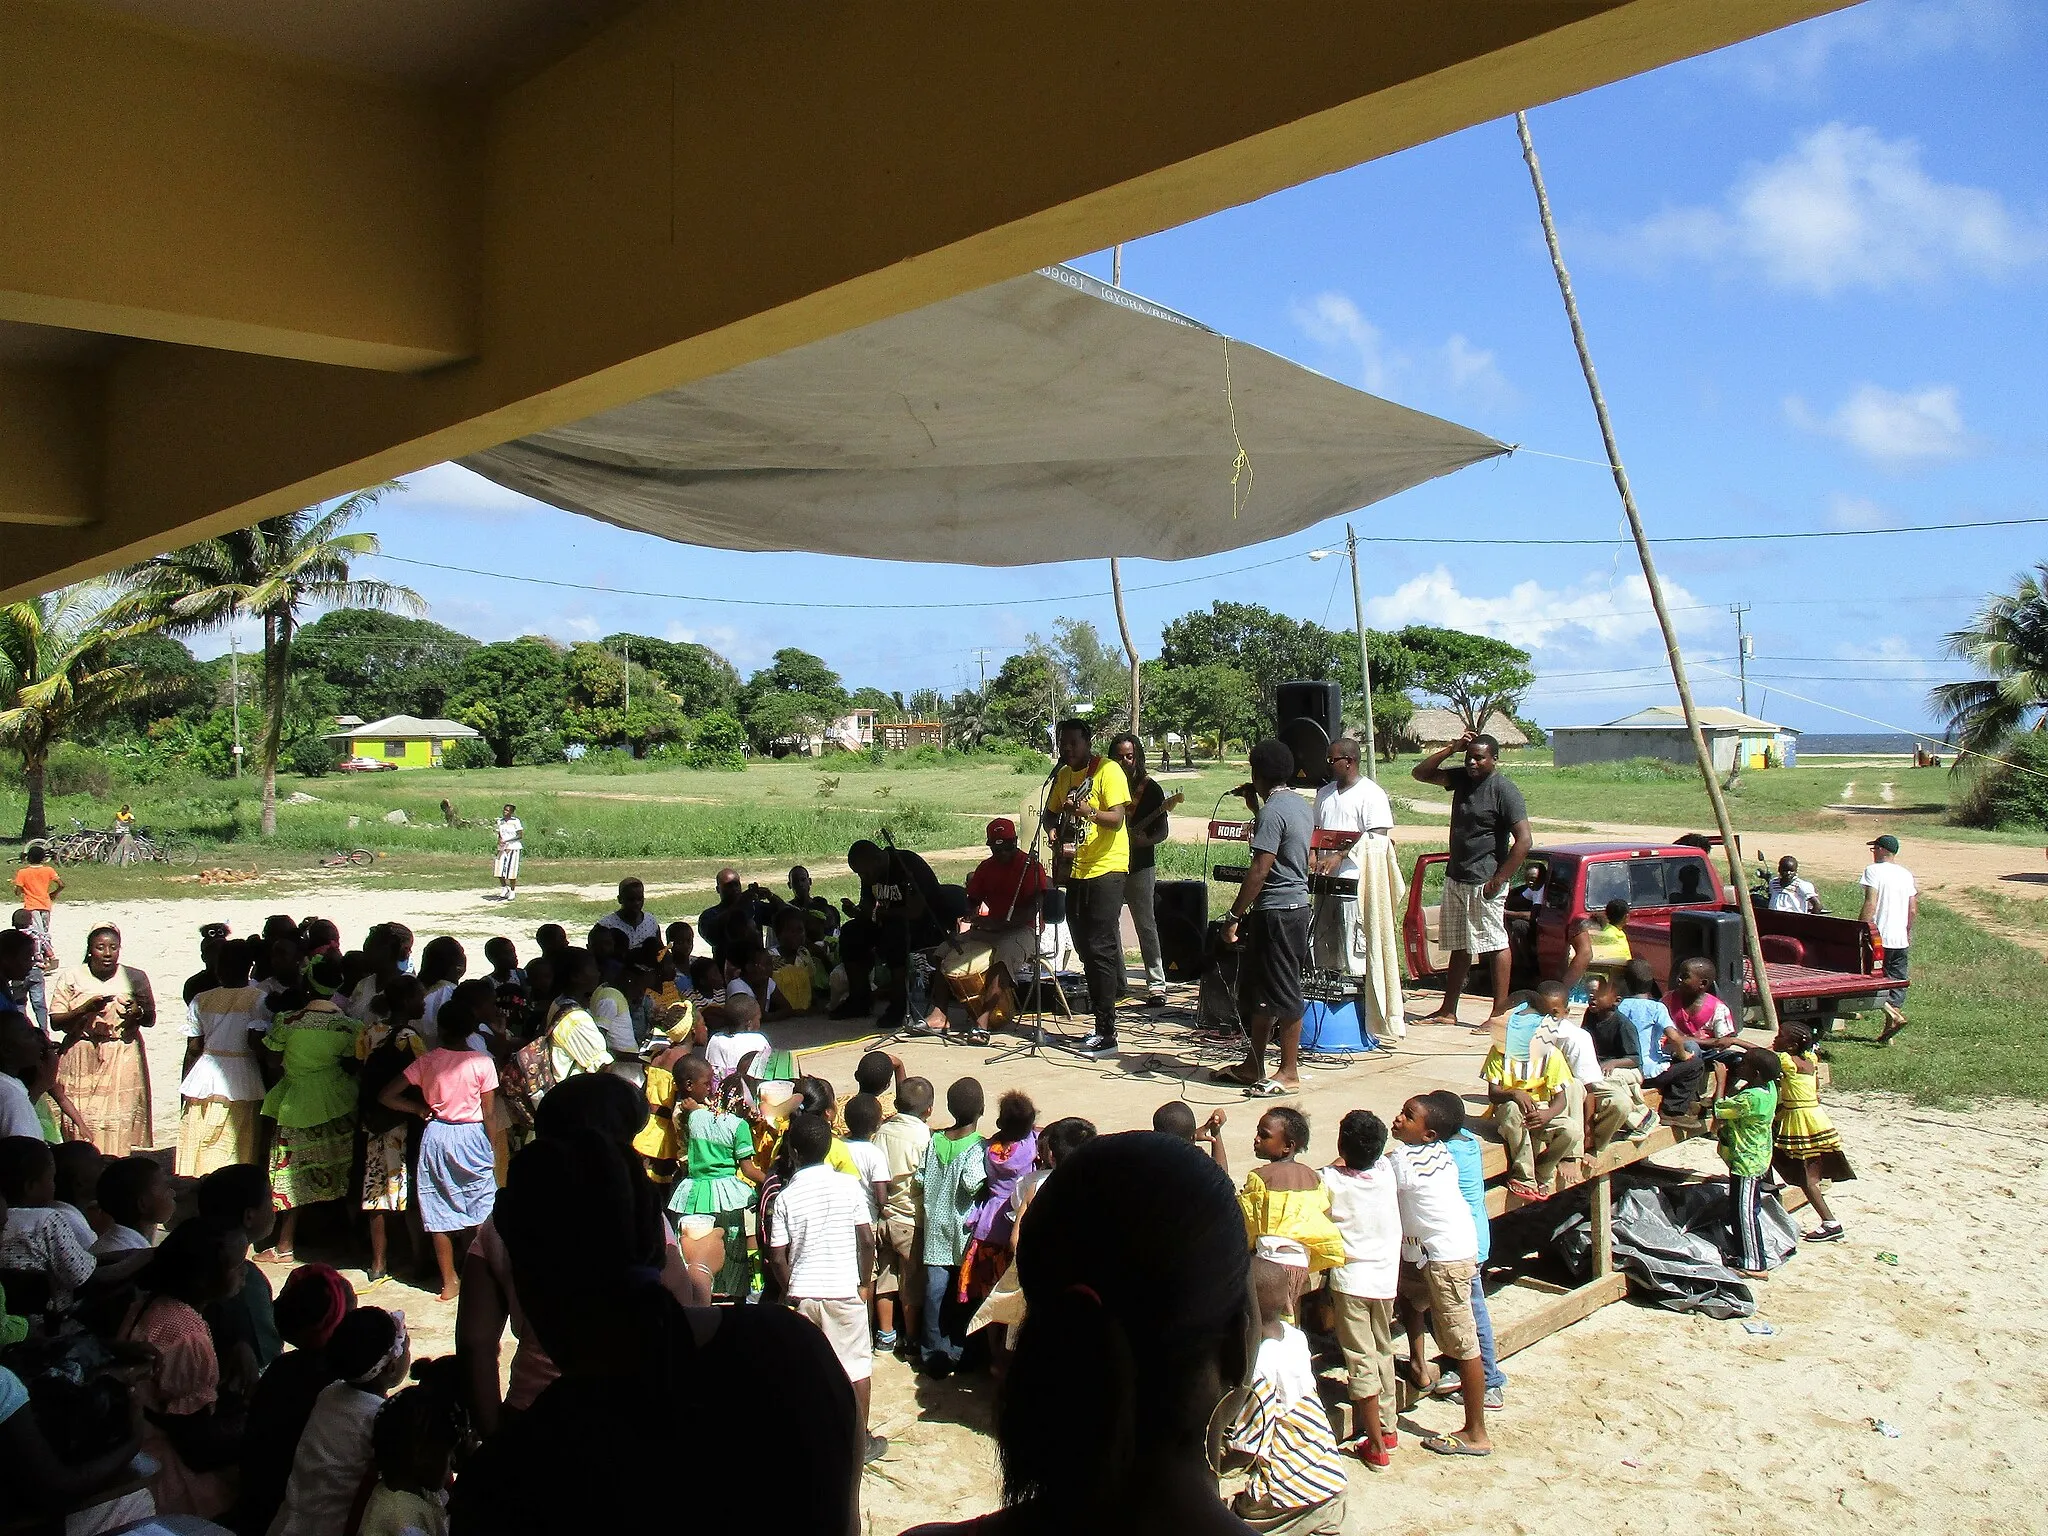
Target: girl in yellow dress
{"x":1286,"y":1198}
{"x":1805,"y":1144}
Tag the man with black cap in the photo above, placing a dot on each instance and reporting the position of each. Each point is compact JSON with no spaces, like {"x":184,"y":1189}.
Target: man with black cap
{"x":1891,"y":902}
{"x":996,"y":939}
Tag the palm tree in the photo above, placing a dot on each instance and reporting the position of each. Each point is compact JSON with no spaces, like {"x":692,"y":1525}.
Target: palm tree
{"x":58,"y":673}
{"x":269,"y":571}
{"x":2009,"y":641}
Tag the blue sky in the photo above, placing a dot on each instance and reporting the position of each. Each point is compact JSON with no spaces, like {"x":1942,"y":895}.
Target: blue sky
{"x":1813,"y":271}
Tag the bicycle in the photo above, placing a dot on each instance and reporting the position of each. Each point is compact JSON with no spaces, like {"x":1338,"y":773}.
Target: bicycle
{"x":160,"y":848}
{"x":342,"y":858}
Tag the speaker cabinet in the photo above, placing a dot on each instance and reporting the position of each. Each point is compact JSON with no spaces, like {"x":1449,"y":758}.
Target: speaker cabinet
{"x":1311,"y":716}
{"x":1181,"y":909}
{"x":1716,"y":934}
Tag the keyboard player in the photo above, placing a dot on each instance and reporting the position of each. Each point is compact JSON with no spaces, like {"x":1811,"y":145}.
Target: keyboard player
{"x":1350,"y":802}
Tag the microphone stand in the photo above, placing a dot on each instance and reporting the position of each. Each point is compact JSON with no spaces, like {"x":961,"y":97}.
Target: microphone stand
{"x":1039,"y":1037}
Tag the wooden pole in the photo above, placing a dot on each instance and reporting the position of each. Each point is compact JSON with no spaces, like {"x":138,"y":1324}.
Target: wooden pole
{"x":1751,"y":942}
{"x":1364,"y":661}
{"x":1123,"y":628}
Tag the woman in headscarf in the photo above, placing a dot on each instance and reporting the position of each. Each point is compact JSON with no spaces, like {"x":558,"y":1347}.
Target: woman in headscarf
{"x":99,"y":1009}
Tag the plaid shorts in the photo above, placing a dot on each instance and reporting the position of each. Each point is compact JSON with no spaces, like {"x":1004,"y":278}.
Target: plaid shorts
{"x":1471,"y":920}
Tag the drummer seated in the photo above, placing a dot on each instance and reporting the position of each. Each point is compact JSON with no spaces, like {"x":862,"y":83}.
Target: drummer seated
{"x":995,"y":938}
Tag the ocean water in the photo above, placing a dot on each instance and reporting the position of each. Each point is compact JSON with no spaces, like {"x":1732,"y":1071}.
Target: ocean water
{"x":1817,"y":742}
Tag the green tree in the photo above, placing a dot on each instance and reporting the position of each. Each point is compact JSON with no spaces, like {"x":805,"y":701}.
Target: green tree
{"x":1473,"y":674}
{"x":887,"y":706}
{"x":700,"y":678}
{"x":795,"y":695}
{"x":1268,"y":648}
{"x":927,"y":704}
{"x":511,"y":691}
{"x":1393,"y":674}
{"x":1091,"y":671}
{"x":967,"y":720}
{"x":177,"y":685}
{"x":1212,"y":700}
{"x":58,"y":676}
{"x":718,"y":740}
{"x":1025,"y":698}
{"x":597,"y":711}
{"x":364,"y":662}
{"x":2007,"y":641}
{"x":269,"y":571}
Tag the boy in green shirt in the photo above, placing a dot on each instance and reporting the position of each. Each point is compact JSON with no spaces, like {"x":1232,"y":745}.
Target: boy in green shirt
{"x":1742,"y":1126}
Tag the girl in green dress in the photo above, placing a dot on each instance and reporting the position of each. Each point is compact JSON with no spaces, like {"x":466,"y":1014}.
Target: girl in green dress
{"x":712,"y":1197}
{"x":314,"y":1102}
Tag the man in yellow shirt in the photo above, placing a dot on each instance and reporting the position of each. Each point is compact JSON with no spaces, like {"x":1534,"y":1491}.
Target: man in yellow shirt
{"x":1533,"y":1111}
{"x":1086,"y":810}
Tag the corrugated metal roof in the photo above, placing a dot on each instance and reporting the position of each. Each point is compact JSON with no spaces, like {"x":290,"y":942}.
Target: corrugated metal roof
{"x":409,"y":725}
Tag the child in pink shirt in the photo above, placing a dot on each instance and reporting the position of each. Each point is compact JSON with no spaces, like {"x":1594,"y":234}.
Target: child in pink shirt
{"x":454,"y":1088}
{"x":1703,"y":1017}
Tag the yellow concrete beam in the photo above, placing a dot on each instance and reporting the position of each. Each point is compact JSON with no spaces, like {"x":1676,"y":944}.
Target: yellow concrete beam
{"x":702,"y":184}
{"x":159,"y":188}
{"x":49,"y":449}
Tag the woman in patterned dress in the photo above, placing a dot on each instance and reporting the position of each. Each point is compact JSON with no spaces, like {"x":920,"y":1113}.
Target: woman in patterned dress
{"x":99,"y":1010}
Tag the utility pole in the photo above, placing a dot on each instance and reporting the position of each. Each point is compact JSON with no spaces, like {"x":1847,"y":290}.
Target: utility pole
{"x":1116,"y":575}
{"x":235,"y":693}
{"x":1752,"y":941}
{"x":1742,"y":646}
{"x":981,"y":662}
{"x":1364,"y":661}
{"x":1116,"y":266}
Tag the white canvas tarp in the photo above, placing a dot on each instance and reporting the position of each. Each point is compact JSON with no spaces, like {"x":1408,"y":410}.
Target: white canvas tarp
{"x":1048,"y":418}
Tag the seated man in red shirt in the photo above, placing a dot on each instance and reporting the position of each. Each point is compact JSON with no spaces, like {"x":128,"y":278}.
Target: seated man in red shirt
{"x":997,"y":937}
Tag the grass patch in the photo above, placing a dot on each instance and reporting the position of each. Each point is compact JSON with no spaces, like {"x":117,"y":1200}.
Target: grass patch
{"x":2027,"y":913}
{"x":1973,"y":1034}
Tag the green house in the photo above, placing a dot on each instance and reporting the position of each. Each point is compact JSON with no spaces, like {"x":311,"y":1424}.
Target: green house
{"x":403,"y":741}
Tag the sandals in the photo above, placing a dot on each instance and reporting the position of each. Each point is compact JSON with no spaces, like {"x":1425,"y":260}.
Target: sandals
{"x":1233,"y":1075}
{"x":1828,"y":1232}
{"x":1454,"y":1445}
{"x":1523,"y":1190}
{"x":1269,"y":1088}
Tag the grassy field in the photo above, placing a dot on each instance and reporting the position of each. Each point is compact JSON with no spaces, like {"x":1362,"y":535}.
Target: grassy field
{"x":1971,"y":1003}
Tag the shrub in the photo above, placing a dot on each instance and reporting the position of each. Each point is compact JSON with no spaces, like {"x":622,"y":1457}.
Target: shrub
{"x":2012,"y":792}
{"x":312,"y":757}
{"x":469,"y":752}
{"x":718,"y":741}
{"x":536,"y":748}
{"x":75,"y":770}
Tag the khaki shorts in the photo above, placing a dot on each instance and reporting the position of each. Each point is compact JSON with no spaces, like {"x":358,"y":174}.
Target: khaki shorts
{"x":1365,"y":1332}
{"x":844,"y":1322}
{"x":973,"y":954}
{"x":896,"y":1264}
{"x":1445,"y":1291}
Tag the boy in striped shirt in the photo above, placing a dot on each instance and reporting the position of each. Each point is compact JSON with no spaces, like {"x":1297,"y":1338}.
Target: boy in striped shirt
{"x":1296,"y":1479}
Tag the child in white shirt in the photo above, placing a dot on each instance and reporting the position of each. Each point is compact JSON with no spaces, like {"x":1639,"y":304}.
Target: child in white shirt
{"x":1366,"y":1209}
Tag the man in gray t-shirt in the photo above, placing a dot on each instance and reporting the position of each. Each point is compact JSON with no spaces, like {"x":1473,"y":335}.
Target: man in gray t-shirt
{"x":1275,"y":895}
{"x":1489,"y":840}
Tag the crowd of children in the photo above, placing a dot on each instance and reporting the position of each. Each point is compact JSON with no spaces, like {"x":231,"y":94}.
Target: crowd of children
{"x":322,"y":1077}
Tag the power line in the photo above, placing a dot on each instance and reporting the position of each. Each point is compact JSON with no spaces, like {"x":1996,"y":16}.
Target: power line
{"x":1720,"y":538}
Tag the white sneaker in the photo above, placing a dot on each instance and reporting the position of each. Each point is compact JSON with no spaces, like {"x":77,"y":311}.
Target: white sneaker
{"x":1099,"y":1044}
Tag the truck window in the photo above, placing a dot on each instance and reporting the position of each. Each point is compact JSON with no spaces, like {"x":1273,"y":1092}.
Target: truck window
{"x":1607,"y":879}
{"x":1564,"y":874}
{"x":1690,"y":883}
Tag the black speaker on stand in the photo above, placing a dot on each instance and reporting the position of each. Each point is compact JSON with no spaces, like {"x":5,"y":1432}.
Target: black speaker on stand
{"x":1311,"y":716}
{"x":1181,"y":909}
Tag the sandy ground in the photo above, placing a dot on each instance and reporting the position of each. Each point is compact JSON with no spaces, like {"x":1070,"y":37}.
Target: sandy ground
{"x":1634,"y":1420}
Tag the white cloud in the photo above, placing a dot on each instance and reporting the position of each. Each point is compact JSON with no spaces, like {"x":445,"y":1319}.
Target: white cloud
{"x":1334,"y":321}
{"x":1600,"y":610}
{"x":1845,"y":208}
{"x":1893,"y":428}
{"x":1895,"y":660}
{"x":464,"y":493}
{"x":1882,"y":32}
{"x":1857,"y":512}
{"x":581,"y":625}
{"x":743,"y":650}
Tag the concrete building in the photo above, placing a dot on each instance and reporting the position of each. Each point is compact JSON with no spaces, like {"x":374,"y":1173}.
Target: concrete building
{"x":1733,"y":739}
{"x":403,"y":741}
{"x":258,"y":255}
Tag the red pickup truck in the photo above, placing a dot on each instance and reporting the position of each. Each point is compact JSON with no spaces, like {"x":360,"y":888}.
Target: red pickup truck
{"x":1820,"y":967}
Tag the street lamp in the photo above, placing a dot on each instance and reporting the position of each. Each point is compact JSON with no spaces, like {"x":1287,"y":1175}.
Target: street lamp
{"x":1371,"y":753}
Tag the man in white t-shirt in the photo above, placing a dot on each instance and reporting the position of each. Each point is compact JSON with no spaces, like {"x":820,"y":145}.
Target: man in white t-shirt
{"x":1350,"y":802}
{"x":641,"y":928}
{"x":1789,"y":893}
{"x":511,"y":838}
{"x":821,"y":1244}
{"x":1891,"y":901}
